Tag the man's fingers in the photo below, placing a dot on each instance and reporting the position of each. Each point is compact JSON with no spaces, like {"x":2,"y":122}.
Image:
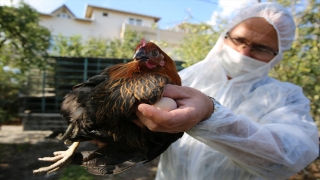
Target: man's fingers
{"x":178,"y":92}
{"x":173,"y":91}
{"x":172,"y":119}
{"x":151,"y":125}
{"x":150,"y":112}
{"x":138,"y":122}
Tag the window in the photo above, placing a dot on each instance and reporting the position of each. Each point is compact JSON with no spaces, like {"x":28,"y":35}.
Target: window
{"x":137,"y":22}
{"x":105,"y":14}
{"x":63,"y":15}
{"x":131,"y":21}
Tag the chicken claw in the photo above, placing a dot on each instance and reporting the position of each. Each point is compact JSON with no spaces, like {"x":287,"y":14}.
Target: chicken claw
{"x":61,"y":158}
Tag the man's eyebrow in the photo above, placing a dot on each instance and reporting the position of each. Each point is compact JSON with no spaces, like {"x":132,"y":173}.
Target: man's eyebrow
{"x":263,"y":46}
{"x":236,"y":36}
{"x":260,"y":45}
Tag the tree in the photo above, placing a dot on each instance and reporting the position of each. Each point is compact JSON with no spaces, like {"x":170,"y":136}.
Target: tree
{"x":23,"y":43}
{"x":95,"y":47}
{"x":67,"y":46}
{"x":124,"y":48}
{"x":199,"y":40}
{"x":75,"y":46}
{"x":9,"y":89}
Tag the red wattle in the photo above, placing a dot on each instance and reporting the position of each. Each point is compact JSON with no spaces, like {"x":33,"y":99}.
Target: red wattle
{"x":150,"y":65}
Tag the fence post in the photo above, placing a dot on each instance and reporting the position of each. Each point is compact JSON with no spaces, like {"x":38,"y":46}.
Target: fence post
{"x":43,"y":99}
{"x":85,"y":68}
{"x":98,"y":66}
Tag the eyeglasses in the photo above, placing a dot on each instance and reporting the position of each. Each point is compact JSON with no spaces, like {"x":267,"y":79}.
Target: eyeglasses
{"x":257,"y":51}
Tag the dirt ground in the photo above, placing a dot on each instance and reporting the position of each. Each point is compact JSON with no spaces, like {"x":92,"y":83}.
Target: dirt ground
{"x":19,"y":151}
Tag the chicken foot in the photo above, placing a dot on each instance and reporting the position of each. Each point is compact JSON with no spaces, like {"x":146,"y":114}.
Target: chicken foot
{"x":61,"y":158}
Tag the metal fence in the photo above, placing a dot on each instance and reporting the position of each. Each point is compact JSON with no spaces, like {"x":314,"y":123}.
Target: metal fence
{"x":46,"y":88}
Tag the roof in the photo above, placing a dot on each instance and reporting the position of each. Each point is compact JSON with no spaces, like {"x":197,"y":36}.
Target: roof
{"x":90,"y":8}
{"x":64,"y":6}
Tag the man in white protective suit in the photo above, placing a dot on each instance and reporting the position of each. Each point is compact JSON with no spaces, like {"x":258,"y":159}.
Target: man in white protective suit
{"x":256,"y":127}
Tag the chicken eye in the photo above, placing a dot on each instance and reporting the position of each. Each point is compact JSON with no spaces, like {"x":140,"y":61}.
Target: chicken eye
{"x":155,"y":52}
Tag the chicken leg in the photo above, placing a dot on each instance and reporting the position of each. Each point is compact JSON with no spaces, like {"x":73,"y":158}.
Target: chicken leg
{"x":61,"y":158}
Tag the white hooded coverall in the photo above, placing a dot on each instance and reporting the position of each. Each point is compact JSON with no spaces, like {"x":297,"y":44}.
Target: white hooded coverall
{"x":263,"y":129}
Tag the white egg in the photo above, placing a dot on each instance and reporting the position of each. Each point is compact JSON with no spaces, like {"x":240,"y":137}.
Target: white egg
{"x":166,"y":104}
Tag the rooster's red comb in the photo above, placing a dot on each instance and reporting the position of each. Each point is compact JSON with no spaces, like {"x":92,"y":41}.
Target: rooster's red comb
{"x":142,"y":42}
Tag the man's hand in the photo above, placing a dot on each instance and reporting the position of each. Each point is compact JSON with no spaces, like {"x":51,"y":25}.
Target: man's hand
{"x":193,"y":107}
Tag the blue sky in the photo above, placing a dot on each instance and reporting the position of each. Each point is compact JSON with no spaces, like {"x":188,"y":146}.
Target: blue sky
{"x":171,"y":12}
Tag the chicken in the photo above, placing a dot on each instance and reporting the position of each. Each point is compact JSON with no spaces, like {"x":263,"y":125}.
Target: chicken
{"x":102,"y":109}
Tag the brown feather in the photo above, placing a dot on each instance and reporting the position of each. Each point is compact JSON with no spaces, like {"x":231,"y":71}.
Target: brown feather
{"x":103,"y":108}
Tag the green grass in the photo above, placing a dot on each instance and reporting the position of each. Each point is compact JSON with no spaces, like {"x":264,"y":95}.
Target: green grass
{"x":76,"y":173}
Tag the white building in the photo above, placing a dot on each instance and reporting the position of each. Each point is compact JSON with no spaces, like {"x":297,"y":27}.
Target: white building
{"x":108,"y":23}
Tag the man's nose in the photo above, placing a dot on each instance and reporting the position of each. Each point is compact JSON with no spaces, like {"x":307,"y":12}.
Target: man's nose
{"x":245,"y":50}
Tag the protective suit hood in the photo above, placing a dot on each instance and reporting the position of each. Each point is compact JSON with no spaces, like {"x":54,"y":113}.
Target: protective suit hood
{"x":275,"y":14}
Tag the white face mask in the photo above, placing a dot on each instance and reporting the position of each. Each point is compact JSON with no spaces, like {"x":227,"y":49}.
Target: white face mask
{"x":237,"y":64}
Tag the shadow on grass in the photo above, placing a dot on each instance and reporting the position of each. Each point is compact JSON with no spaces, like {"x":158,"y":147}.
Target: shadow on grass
{"x":18,"y":160}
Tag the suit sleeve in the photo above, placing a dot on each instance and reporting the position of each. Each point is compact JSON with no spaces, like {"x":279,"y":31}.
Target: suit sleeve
{"x":276,"y":146}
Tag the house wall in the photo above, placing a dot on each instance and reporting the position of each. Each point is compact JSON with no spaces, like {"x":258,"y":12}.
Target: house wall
{"x":111,"y":26}
{"x":106,"y":26}
{"x":172,"y":39}
{"x":67,"y":27}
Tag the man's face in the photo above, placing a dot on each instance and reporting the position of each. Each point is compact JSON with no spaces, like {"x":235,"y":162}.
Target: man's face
{"x":255,"y":38}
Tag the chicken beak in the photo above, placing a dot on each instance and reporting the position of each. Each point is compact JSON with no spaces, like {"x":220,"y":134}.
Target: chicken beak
{"x":140,"y":55}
